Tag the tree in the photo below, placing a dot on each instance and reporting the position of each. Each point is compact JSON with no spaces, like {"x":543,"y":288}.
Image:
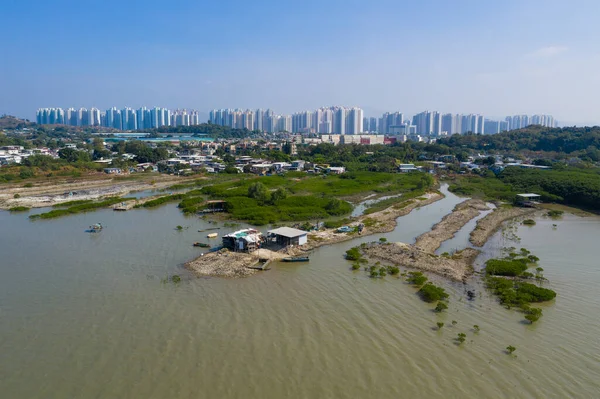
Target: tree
{"x":259,"y":192}
{"x":279,"y":194}
{"x":72,"y":155}
{"x":440,"y":325}
{"x":510,"y":349}
{"x":440,"y":307}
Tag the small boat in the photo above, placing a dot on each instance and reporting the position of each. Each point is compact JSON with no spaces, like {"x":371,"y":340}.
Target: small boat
{"x":96,"y":228}
{"x":212,"y":228}
{"x":201,"y":245}
{"x":212,"y":235}
{"x":296,"y":259}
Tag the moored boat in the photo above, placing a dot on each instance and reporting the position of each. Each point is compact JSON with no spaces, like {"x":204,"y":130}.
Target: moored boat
{"x":201,"y":245}
{"x":296,"y":259}
{"x":212,"y":235}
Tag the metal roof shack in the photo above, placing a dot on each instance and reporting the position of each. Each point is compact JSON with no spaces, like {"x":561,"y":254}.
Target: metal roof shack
{"x":528,"y":199}
{"x":287,"y":236}
{"x":247,"y":240}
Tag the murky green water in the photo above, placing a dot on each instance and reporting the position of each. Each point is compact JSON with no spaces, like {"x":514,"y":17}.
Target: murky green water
{"x":86,"y":316}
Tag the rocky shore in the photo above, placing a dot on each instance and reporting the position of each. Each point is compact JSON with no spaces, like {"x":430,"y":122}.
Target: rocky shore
{"x":450,"y":224}
{"x":491,"y":223}
{"x":456,"y":267}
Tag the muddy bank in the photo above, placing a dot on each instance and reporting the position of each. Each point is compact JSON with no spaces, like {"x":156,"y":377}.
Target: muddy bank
{"x":456,"y":267}
{"x":450,"y":224}
{"x":48,"y":194}
{"x":491,"y":223}
{"x":379,"y":222}
{"x":225,"y":263}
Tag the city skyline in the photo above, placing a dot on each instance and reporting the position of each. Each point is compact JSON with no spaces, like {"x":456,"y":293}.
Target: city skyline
{"x":451,"y":56}
{"x":325,"y":120}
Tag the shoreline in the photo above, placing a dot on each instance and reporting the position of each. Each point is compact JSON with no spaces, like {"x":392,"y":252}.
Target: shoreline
{"x":47,"y":195}
{"x":450,"y":224}
{"x":491,"y":223}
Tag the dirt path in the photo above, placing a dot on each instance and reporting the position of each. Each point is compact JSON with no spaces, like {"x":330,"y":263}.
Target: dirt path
{"x":491,"y":223}
{"x":450,"y":224}
{"x":456,"y":267}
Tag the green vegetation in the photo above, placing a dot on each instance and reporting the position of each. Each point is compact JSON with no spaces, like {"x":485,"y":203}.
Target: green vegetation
{"x":533,"y":314}
{"x":476,"y":328}
{"x":440,"y":307}
{"x":554,"y":213}
{"x":71,"y":203}
{"x":179,"y":228}
{"x":161,"y":200}
{"x":569,"y":186}
{"x":402,"y":201}
{"x":382,"y":239}
{"x":86,"y":207}
{"x":432,"y":293}
{"x":416,"y":278}
{"x":510,"y":349}
{"x":529,"y":222}
{"x":19,"y":209}
{"x":583,"y":141}
{"x":506,"y":267}
{"x":461,"y":338}
{"x":353,"y":254}
{"x":440,"y":325}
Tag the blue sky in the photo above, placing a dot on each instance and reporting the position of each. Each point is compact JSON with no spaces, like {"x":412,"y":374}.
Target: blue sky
{"x":490,"y":57}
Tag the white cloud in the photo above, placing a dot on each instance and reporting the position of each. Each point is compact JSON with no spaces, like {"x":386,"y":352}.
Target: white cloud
{"x":549,"y":51}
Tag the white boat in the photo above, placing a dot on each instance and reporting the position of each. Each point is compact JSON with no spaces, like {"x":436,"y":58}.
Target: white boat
{"x":212,"y":235}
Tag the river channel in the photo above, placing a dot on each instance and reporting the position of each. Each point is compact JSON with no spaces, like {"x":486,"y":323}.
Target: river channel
{"x":87,"y":316}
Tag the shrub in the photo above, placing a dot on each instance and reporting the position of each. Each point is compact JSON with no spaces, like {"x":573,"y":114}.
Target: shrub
{"x":383,"y":239}
{"x":533,"y":314}
{"x":529,"y":222}
{"x":505,"y":267}
{"x":510,"y":349}
{"x":353,"y":254}
{"x":432,"y":293}
{"x":19,"y":209}
{"x":28,"y":185}
{"x":440,"y":325}
{"x":461,"y":337}
{"x":554,"y":213}
{"x":355,"y":266}
{"x":416,"y":278}
{"x":393,"y":270}
{"x":16,"y":196}
{"x":533,"y":293}
{"x":440,"y":307}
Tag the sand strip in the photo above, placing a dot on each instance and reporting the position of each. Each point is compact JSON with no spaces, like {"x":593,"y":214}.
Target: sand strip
{"x":492,"y":222}
{"x":450,"y":224}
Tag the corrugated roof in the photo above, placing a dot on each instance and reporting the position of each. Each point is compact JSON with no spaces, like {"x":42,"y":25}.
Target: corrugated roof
{"x":288,"y":232}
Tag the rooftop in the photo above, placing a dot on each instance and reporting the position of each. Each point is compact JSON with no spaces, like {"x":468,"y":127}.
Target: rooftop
{"x":529,"y":195}
{"x":288,"y":232}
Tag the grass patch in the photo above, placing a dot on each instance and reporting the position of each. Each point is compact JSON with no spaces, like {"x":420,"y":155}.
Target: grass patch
{"x":72,"y":203}
{"x":80,"y":208}
{"x":19,"y":209}
{"x":160,"y":201}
